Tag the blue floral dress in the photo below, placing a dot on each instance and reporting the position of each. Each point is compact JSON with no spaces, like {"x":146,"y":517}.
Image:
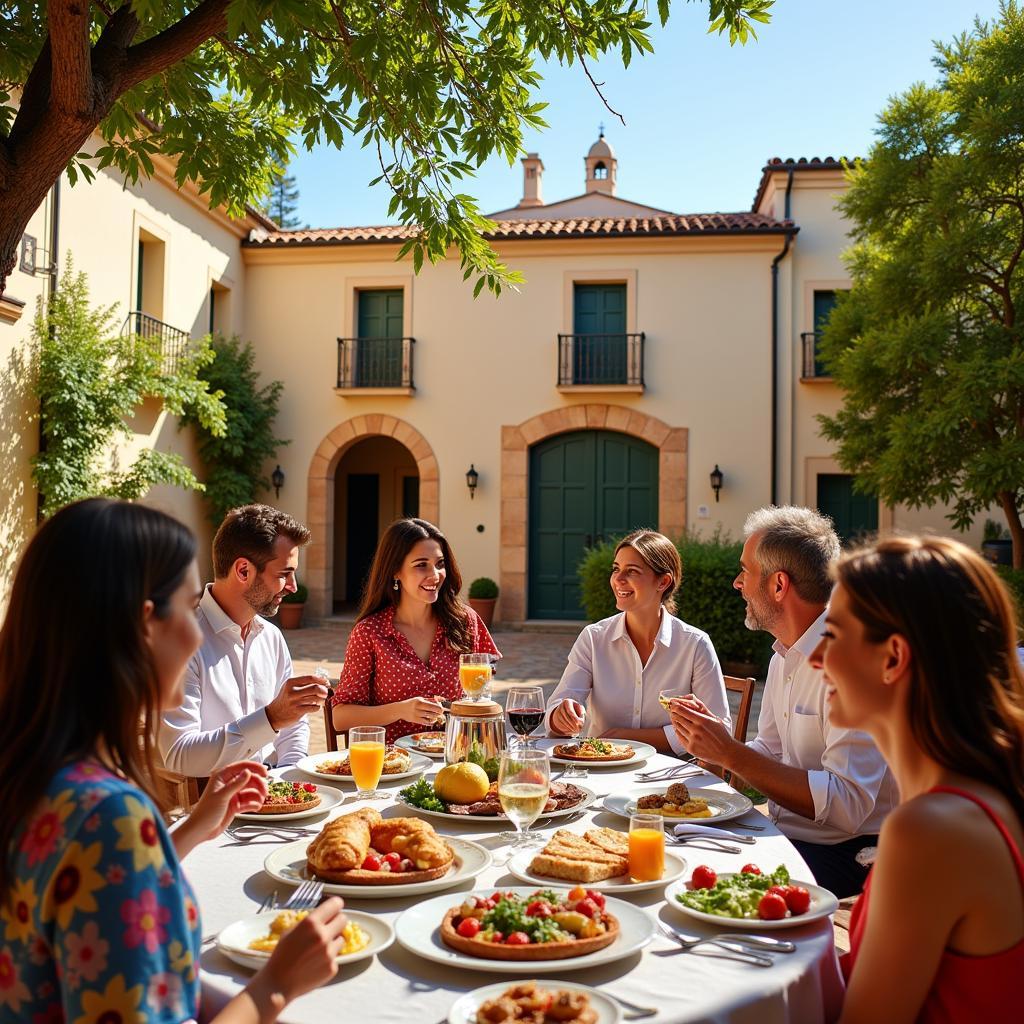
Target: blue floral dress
{"x":101,"y":926}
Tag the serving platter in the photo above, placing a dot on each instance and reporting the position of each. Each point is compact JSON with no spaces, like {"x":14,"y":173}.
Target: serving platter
{"x":823,"y":903}
{"x":641,"y":752}
{"x":589,"y":799}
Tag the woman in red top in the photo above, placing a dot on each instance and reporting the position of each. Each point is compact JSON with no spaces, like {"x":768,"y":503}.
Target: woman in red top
{"x":403,"y":653}
{"x":920,"y":651}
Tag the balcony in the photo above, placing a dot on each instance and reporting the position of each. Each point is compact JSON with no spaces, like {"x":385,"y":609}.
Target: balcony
{"x":601,"y":362}
{"x":173,"y":340}
{"x":375,"y":366}
{"x":812,"y":368}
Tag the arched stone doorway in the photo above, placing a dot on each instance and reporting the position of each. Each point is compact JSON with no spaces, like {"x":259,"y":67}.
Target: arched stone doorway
{"x":320,"y":559}
{"x":516,"y":442}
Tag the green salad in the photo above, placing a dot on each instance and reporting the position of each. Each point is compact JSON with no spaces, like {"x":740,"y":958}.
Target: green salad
{"x":737,"y":896}
{"x":421,"y":794}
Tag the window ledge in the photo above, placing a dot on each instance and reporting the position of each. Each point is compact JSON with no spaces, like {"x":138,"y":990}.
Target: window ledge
{"x":594,"y":389}
{"x":817,"y":380}
{"x":11,"y":309}
{"x":374,"y":392}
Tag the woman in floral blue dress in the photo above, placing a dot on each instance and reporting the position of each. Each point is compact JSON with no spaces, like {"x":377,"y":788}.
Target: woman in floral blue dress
{"x":98,"y":924}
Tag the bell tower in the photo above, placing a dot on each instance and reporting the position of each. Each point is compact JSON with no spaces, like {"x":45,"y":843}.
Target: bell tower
{"x":601,"y":166}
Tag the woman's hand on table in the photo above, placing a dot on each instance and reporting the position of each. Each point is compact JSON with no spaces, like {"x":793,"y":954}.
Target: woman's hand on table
{"x":567,"y":718}
{"x":418,"y":710}
{"x":238,"y":788}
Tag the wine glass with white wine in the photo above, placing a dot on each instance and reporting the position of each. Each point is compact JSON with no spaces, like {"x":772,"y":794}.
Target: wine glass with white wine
{"x":524,"y":781}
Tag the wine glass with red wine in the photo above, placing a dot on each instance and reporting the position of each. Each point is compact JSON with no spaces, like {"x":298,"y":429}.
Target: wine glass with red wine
{"x":525,"y":711}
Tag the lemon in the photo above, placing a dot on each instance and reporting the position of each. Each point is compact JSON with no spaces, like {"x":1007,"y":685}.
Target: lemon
{"x":461,"y":783}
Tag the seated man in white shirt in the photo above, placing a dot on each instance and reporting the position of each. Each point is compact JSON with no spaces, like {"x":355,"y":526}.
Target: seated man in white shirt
{"x":828,"y":788}
{"x":241,"y":700}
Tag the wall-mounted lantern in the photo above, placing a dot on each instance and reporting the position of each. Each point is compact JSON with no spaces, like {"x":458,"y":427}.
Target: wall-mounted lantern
{"x":716,"y":480}
{"x":472,"y":479}
{"x":277,"y":479}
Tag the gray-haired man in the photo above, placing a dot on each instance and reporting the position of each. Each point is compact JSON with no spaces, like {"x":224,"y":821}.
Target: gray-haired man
{"x":828,"y":789}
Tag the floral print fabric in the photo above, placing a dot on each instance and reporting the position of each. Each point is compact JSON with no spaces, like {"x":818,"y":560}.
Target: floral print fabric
{"x":100,"y":926}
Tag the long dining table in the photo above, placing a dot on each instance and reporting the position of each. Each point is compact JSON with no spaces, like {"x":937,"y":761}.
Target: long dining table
{"x":396,"y":985}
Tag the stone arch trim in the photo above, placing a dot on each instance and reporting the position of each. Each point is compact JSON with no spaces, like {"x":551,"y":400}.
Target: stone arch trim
{"x":319,"y":571}
{"x":516,"y":442}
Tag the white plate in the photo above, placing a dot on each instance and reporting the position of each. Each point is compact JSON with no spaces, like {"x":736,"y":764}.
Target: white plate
{"x":418,"y":929}
{"x":464,"y":1010}
{"x":589,"y":799}
{"x":329,"y":799}
{"x":420,"y":764}
{"x":234,"y":940}
{"x":288,"y":864}
{"x":724,"y":804}
{"x":406,"y":743}
{"x":823,"y":903}
{"x":641,"y":752}
{"x":519,"y":865}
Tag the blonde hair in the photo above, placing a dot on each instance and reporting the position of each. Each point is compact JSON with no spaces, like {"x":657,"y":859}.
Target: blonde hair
{"x":661,"y":555}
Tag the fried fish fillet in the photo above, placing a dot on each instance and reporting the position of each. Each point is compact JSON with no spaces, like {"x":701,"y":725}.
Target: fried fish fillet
{"x":344,"y":842}
{"x":412,"y":838}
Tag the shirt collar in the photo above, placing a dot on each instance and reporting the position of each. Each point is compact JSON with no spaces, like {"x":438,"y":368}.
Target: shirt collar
{"x":807,"y":642}
{"x":664,"y":636}
{"x":219,"y":619}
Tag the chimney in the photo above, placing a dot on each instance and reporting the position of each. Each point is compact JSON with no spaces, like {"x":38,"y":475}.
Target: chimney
{"x":533,"y":171}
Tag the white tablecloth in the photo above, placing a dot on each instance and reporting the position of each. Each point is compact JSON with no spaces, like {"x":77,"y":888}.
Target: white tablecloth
{"x":803,"y":988}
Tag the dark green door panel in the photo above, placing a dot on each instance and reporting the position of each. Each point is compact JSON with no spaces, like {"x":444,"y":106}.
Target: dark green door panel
{"x":824,"y":303}
{"x":379,"y":357}
{"x":853,"y":514}
{"x":599,"y":323}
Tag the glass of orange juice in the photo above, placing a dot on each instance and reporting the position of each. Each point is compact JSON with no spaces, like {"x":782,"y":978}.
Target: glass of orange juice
{"x":366,"y":755}
{"x":646,"y":847}
{"x":475,"y":674}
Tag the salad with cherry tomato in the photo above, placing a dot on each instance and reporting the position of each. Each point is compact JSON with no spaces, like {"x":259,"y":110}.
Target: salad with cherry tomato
{"x":543,"y":916}
{"x":749,"y":894}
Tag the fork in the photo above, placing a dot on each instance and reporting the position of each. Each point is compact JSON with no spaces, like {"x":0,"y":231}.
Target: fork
{"x":306,"y":897}
{"x":632,"y":1010}
{"x":270,"y":903}
{"x":728,"y":952}
{"x":763,"y":942}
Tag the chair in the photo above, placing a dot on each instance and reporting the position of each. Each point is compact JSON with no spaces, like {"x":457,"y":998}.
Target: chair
{"x":331,"y":733}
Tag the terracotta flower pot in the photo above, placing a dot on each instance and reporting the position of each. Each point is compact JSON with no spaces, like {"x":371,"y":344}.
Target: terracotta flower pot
{"x":483,"y":606}
{"x":289,"y":615}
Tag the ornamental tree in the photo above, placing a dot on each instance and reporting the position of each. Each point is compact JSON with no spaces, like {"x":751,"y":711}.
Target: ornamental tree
{"x":927,"y":345}
{"x":435,"y":86}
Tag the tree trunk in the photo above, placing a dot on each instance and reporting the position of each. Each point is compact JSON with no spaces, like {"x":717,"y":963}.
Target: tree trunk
{"x":1008,"y":499}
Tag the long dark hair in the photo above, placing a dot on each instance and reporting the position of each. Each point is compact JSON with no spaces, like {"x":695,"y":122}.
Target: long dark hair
{"x":966,"y":698}
{"x":76,"y":673}
{"x":392,"y":550}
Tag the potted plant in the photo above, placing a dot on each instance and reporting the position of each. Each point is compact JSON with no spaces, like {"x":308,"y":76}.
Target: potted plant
{"x":483,"y":595}
{"x":996,"y":544}
{"x":289,"y":615}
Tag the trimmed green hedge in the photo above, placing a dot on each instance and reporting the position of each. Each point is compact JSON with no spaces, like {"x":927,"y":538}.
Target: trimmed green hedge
{"x":705,"y":598}
{"x":483,"y":588}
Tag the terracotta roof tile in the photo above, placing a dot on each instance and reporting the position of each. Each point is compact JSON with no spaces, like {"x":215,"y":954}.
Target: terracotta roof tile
{"x":802,"y":163}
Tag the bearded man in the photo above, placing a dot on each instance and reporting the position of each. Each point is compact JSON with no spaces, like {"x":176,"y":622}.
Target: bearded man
{"x":828,"y":788}
{"x":241,"y":700}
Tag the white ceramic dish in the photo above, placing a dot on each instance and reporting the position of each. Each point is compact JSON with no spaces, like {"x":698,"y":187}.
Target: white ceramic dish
{"x":823,"y":903}
{"x":287,"y":864}
{"x":587,"y":801}
{"x":675,"y":866}
{"x":641,"y":752}
{"x":329,"y":800}
{"x":309,"y":765}
{"x":725,"y":804}
{"x":407,"y":743}
{"x":233,"y":941}
{"x":418,"y":929}
{"x":464,"y":1009}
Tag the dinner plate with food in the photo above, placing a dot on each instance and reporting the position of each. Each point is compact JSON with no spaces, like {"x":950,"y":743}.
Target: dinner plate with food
{"x":251,"y":941}
{"x":750,"y":898}
{"x":429,"y":743}
{"x":511,"y":931}
{"x":597,"y":859}
{"x":544,"y":1002}
{"x":678,"y":802}
{"x":598,"y":753}
{"x":287,"y":801}
{"x":564,"y":798}
{"x":335,"y":765}
{"x":365,"y":855}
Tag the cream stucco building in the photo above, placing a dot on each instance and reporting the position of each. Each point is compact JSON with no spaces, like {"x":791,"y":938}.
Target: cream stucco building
{"x":646,"y":349}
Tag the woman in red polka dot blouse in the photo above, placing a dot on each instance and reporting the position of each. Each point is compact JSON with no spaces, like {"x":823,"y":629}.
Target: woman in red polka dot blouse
{"x":404,"y":650}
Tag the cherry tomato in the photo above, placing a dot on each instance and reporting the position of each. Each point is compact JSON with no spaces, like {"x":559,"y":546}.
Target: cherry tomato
{"x":406,"y":865}
{"x":750,"y":869}
{"x":497,"y":898}
{"x":779,"y":890}
{"x":309,"y":787}
{"x":772,"y":907}
{"x":578,"y":893}
{"x":518,"y":939}
{"x":798,"y":899}
{"x":371,"y":863}
{"x":538,"y":908}
{"x":703,"y":878}
{"x":468,"y":927}
{"x":385,"y":865}
{"x":394,"y":859}
{"x":587,"y":907}
{"x":497,"y":937}
{"x":482,"y":903}
{"x":293,"y":799}
{"x":597,"y":897}
{"x":296,"y":785}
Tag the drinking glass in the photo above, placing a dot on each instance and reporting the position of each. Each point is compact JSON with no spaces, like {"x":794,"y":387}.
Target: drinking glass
{"x":524,"y":779}
{"x":573,"y":770}
{"x":646,"y":847}
{"x":525,"y":711}
{"x":665,"y":696}
{"x":475,"y":673}
{"x":366,"y":756}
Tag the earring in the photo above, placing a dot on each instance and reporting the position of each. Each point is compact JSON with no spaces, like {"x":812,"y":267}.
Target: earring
{"x":395,"y":587}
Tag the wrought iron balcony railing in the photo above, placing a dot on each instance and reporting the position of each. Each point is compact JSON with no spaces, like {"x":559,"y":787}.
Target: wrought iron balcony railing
{"x":813,"y":367}
{"x":596,"y":359}
{"x":375,"y":362}
{"x":173,"y":340}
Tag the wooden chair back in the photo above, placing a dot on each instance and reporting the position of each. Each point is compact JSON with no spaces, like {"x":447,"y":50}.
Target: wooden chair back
{"x":744,"y":686}
{"x":331,"y":733}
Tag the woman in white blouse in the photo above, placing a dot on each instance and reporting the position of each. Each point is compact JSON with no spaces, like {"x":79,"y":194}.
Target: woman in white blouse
{"x":619,"y":665}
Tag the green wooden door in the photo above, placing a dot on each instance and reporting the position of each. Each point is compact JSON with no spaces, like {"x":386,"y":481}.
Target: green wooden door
{"x":599,"y":323}
{"x":853,"y":514}
{"x":583,"y":486}
{"x":824,"y":303}
{"x":379,"y":349}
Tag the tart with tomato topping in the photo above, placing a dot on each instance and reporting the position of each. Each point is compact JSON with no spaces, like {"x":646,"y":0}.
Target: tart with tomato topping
{"x":594,"y":750}
{"x":289,"y":797}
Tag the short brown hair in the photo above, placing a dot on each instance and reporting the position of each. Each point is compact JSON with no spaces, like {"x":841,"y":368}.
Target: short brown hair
{"x":661,"y":555}
{"x":251,"y":532}
{"x":799,"y":542}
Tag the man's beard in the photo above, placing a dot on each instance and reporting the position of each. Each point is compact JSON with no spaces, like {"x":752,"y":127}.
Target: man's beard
{"x":761,"y":613}
{"x":261,"y":600}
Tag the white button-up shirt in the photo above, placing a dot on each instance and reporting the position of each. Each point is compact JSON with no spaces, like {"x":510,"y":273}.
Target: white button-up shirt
{"x":851,"y":785}
{"x":228,"y":684}
{"x":605,"y":674}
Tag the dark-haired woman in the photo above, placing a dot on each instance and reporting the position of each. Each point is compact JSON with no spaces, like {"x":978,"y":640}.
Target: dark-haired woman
{"x":99,"y":922}
{"x":920,"y":651}
{"x":403,"y":652}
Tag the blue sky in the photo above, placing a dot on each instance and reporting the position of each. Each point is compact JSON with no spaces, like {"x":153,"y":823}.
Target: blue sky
{"x":701,"y":117}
